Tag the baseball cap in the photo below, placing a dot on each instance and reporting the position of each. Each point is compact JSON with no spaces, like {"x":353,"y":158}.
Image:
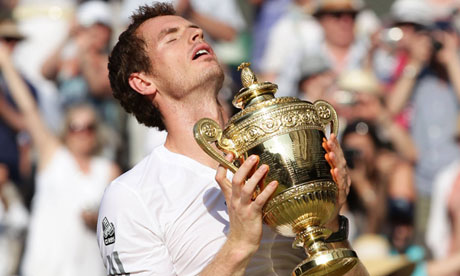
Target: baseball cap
{"x":92,"y":12}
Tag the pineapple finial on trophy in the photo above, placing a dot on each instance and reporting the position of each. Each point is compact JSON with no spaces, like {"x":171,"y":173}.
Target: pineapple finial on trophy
{"x":248,"y":77}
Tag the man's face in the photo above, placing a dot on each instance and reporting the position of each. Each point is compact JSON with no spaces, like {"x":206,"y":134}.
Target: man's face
{"x":338,"y":27}
{"x":181,"y":60}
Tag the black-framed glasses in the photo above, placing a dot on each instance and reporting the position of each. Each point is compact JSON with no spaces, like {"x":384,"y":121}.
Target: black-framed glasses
{"x":339,"y":14}
{"x":10,"y":39}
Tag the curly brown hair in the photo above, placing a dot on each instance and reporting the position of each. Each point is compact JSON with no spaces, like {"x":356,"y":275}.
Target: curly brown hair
{"x":129,"y":56}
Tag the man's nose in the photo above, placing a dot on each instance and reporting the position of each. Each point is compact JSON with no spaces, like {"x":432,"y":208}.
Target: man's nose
{"x":196,"y":35}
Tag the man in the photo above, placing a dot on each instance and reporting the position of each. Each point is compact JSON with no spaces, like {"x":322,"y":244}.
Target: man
{"x":167,"y":216}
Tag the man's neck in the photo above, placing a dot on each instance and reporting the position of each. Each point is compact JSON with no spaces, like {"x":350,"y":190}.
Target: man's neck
{"x":180,"y":121}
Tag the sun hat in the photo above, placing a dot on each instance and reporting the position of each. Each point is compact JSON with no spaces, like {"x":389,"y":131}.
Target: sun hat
{"x":374,"y":252}
{"x":359,"y":80}
{"x":323,"y":6}
{"x":9,"y":29}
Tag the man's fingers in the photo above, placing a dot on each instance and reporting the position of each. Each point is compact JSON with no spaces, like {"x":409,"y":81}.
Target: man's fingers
{"x":244,"y":171}
{"x":221,"y":177}
{"x":250,"y":185}
{"x":263,"y":197}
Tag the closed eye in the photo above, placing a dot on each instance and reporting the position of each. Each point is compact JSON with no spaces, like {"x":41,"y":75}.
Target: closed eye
{"x":171,"y":40}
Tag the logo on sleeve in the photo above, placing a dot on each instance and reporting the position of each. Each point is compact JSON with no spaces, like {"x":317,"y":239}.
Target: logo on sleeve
{"x":109,"y":231}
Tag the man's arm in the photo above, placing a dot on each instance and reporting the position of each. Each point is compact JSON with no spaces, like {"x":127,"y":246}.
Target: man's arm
{"x":245,"y":217}
{"x":45,"y":142}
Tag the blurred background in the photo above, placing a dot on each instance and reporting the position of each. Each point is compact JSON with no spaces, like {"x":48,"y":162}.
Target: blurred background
{"x":390,"y":68}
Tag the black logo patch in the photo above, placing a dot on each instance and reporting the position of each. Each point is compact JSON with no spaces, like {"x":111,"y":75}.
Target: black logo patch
{"x":109,"y":231}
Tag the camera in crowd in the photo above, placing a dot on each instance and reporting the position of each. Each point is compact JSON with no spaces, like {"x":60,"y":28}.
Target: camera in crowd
{"x":392,"y":35}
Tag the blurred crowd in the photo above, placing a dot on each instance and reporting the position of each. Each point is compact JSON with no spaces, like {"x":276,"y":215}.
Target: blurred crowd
{"x":392,"y":76}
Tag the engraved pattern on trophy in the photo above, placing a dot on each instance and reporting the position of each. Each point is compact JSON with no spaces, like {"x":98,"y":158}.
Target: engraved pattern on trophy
{"x":287,"y":135}
{"x":260,"y":127}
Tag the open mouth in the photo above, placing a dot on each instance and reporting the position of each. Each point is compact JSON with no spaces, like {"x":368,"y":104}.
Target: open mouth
{"x":200,"y":53}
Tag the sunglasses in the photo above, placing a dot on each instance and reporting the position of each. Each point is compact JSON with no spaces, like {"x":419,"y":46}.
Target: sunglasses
{"x":339,"y":14}
{"x":10,"y":39}
{"x":88,"y":128}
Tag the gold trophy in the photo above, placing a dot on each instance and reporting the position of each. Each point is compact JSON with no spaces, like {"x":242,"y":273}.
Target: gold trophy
{"x":287,"y":134}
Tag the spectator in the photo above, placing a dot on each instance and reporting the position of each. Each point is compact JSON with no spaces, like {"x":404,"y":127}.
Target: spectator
{"x":13,"y":223}
{"x":294,"y":31}
{"x":317,"y":80}
{"x":402,"y":236}
{"x":359,"y":95}
{"x":70,"y":182}
{"x":15,"y":144}
{"x":443,"y":233}
{"x":430,"y":85}
{"x":267,"y":14}
{"x":372,"y":170}
{"x":79,"y":68}
{"x":339,"y":46}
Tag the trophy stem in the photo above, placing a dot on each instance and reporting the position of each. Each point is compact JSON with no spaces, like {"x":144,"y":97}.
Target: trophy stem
{"x":322,"y":258}
{"x":312,"y":239}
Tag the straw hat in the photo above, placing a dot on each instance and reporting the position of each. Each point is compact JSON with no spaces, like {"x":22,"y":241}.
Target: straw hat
{"x":9,"y":29}
{"x":374,"y":252}
{"x":359,"y":80}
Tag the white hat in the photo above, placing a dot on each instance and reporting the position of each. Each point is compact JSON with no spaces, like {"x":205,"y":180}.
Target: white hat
{"x":359,"y":80}
{"x":412,"y":11}
{"x":92,"y":12}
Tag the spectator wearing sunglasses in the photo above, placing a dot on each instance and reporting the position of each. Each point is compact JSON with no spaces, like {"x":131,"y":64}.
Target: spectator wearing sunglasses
{"x":70,"y":181}
{"x":338,"y":43}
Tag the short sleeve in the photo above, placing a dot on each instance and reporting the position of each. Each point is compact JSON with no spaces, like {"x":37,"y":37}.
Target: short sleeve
{"x":128,"y":238}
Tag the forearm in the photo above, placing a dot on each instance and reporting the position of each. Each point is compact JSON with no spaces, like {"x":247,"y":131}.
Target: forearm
{"x":11,"y":117}
{"x":50,"y":67}
{"x":402,"y":90}
{"x":230,"y":260}
{"x":399,"y":137}
{"x":27,"y":106}
{"x":214,"y":28}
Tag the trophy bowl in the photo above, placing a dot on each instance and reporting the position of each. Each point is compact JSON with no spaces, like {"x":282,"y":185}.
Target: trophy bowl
{"x":287,"y":135}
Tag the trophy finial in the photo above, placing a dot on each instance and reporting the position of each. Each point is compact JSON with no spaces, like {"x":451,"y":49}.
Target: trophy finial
{"x":248,"y":77}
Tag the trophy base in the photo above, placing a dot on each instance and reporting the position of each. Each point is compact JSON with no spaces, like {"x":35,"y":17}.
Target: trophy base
{"x":333,"y":262}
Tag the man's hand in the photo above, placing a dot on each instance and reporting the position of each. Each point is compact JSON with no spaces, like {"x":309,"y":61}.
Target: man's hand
{"x":245,"y":213}
{"x":339,"y":171}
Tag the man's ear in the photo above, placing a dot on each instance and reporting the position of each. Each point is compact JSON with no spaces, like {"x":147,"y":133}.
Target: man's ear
{"x":142,"y":83}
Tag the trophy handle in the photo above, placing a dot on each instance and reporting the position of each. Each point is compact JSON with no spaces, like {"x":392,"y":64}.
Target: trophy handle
{"x":207,"y":131}
{"x":327,"y":114}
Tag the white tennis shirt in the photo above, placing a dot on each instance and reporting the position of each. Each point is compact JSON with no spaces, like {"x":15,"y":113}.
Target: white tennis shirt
{"x":167,"y":216}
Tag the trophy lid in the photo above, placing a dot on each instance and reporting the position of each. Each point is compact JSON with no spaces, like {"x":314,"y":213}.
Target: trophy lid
{"x":252,"y":92}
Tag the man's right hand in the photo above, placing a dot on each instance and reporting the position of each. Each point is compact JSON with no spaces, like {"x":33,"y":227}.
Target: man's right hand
{"x":245,"y":212}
